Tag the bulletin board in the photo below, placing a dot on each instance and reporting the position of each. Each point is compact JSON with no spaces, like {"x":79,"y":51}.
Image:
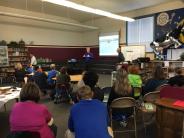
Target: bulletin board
{"x":133,"y":52}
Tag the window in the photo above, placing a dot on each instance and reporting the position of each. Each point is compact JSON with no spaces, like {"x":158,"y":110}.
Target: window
{"x":140,"y":32}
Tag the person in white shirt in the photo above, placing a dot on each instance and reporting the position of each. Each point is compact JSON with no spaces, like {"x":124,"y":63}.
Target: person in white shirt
{"x":33,"y":60}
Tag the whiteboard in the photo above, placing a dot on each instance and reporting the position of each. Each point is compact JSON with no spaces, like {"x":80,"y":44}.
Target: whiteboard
{"x":133,"y":52}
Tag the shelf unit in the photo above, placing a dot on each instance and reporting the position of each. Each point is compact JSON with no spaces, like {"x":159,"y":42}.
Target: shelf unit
{"x":168,"y":66}
{"x":15,"y":55}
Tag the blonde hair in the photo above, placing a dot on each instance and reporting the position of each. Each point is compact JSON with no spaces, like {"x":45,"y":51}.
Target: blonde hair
{"x":121,"y":84}
{"x":52,"y":66}
{"x":18,"y":66}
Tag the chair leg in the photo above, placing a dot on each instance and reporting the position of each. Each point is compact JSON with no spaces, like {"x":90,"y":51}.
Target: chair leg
{"x":5,"y":107}
{"x":135,"y":124}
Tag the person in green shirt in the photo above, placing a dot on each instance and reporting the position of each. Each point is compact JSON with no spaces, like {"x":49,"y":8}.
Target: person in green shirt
{"x":134,"y":78}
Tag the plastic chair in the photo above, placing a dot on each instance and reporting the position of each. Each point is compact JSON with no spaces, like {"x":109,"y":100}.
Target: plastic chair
{"x":24,"y":134}
{"x":124,"y":103}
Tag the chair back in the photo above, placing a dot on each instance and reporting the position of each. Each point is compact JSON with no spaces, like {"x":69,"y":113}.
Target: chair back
{"x":24,"y":134}
{"x":123,"y":102}
{"x":106,"y":90}
{"x":161,"y":86}
{"x":151,"y":97}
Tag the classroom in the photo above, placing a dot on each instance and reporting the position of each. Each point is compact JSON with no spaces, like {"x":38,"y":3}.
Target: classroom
{"x":92,"y":69}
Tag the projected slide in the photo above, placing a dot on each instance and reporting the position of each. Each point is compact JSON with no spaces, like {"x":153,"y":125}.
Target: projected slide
{"x":108,"y":45}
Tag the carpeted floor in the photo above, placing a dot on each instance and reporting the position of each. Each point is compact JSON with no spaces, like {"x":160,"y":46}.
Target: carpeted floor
{"x":60,"y":114}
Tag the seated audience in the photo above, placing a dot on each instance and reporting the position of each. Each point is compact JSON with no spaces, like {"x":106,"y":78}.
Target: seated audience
{"x":158,"y":79}
{"x":62,"y":85}
{"x":30,"y":69}
{"x":134,"y":77}
{"x":178,"y":79}
{"x":121,"y":87}
{"x":91,"y":78}
{"x":28,"y":115}
{"x":20,"y":74}
{"x":52,"y":74}
{"x":89,"y":117}
{"x":40,"y":79}
{"x":135,"y":80}
{"x":81,"y":82}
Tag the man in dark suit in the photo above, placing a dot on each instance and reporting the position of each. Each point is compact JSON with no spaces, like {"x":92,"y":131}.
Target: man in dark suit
{"x":121,"y":57}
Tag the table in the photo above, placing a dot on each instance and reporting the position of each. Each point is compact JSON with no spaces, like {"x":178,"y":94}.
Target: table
{"x":11,"y":94}
{"x":73,"y":78}
{"x":169,"y":119}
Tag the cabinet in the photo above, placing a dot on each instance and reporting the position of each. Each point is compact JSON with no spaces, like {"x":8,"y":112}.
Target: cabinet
{"x":169,"y":119}
{"x":15,"y":55}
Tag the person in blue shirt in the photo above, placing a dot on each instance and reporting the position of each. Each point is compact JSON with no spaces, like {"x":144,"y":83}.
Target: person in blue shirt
{"x":89,"y":118}
{"x":29,"y":69}
{"x":88,"y":57}
{"x":52,"y":74}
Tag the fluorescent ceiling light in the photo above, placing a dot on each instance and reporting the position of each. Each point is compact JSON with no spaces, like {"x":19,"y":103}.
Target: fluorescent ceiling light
{"x":80,"y":7}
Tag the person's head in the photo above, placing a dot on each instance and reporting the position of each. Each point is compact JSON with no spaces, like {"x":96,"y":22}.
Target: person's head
{"x":37,"y":68}
{"x":119,"y":50}
{"x":18,"y":66}
{"x":84,"y":93}
{"x":178,"y":71}
{"x":90,"y":78}
{"x":158,"y":73}
{"x":88,"y":50}
{"x":52,"y":66}
{"x":31,"y":55}
{"x":121,"y":84}
{"x":63,"y":70}
{"x":133,"y":69}
{"x":30,"y":92}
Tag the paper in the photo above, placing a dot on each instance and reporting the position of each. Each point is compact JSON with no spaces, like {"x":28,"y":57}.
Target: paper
{"x":148,"y":106}
{"x":179,"y":103}
{"x":166,"y":63}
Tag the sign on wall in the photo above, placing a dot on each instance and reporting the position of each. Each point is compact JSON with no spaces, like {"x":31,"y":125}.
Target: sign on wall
{"x":3,"y":56}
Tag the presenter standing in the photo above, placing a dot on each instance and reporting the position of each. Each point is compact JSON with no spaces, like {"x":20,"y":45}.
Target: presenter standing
{"x":88,"y":57}
{"x":121,"y":57}
{"x":33,"y":60}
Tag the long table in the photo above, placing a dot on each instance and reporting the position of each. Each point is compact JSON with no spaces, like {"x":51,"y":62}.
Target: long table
{"x":9,"y":95}
{"x":73,"y":78}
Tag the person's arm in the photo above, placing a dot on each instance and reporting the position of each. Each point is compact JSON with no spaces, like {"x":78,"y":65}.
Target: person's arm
{"x":48,"y":116}
{"x":70,"y":122}
{"x":110,"y":131}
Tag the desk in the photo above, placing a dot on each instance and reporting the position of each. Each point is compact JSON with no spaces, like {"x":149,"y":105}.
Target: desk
{"x":169,"y":119}
{"x":11,"y":94}
{"x":73,"y":78}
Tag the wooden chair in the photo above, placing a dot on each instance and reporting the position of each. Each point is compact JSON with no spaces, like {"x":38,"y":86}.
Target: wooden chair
{"x":124,"y":103}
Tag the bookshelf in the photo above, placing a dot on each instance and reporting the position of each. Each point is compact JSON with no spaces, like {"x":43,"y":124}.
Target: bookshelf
{"x":15,"y":55}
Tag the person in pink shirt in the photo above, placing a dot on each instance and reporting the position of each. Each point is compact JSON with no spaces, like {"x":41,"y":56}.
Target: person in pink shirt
{"x":29,"y":115}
